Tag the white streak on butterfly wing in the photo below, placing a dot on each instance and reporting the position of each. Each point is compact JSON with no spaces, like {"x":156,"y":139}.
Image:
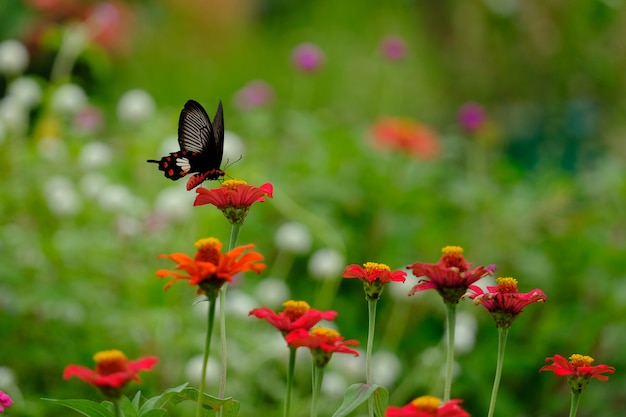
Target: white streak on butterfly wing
{"x":195,"y":131}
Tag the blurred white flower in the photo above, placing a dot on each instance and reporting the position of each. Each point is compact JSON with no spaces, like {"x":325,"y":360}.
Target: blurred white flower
{"x":3,"y":131}
{"x":128,"y":226}
{"x":95,"y":155}
{"x":272,"y":292}
{"x":193,"y":370}
{"x":239,"y":303}
{"x":293,"y":237}
{"x":13,"y":57}
{"x":465,"y":332}
{"x":92,"y":183}
{"x":26,"y":91}
{"x":135,"y":106}
{"x":174,"y":203}
{"x":169,"y":145}
{"x":61,"y":197}
{"x":52,"y":149}
{"x":7,"y":376}
{"x":68,"y":99}
{"x":386,"y":367}
{"x":118,"y":197}
{"x":234,"y":148}
{"x":326,"y":263}
{"x":334,"y":384}
{"x":13,"y":115}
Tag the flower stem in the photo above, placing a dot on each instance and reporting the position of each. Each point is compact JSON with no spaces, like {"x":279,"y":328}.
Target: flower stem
{"x":502,"y":334}
{"x":451,"y":323}
{"x":318,"y":375}
{"x":205,"y":359}
{"x":574,"y":404}
{"x":290,"y":372}
{"x":117,"y":408}
{"x":371,"y":309}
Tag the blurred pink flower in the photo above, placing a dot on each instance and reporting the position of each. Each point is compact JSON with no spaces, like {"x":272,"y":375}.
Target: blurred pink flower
{"x":471,"y":117}
{"x":393,"y":48}
{"x":307,"y":57}
{"x":256,"y":93}
{"x":5,"y":401}
{"x":406,"y":135}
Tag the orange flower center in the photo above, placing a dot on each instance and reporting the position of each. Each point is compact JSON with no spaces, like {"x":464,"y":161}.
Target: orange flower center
{"x":325,"y":331}
{"x":110,"y":361}
{"x":579,"y":360}
{"x":453,"y":257}
{"x":427,"y":403}
{"x":373,"y":266}
{"x":295,"y":309}
{"x":208,"y":250}
{"x":507,"y":285}
{"x":233,"y":184}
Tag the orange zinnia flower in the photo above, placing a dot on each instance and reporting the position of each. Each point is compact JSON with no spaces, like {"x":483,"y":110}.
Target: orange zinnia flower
{"x":296,"y":315}
{"x":234,"y":198}
{"x":113,"y":371}
{"x":406,"y":135}
{"x":210,"y":269}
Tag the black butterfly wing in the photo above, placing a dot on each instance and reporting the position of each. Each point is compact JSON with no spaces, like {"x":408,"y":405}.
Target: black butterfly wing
{"x":217,"y":152}
{"x":195,"y":132}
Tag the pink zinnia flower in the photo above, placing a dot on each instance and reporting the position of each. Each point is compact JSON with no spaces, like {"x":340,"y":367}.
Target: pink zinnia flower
{"x":5,"y":401}
{"x":307,"y":57}
{"x":393,"y":48}
{"x":374,"y":277}
{"x":296,"y":315}
{"x":451,"y":276}
{"x":578,"y":370}
{"x":428,"y":406}
{"x":503,"y":301}
{"x":254,"y":94}
{"x":471,"y":117}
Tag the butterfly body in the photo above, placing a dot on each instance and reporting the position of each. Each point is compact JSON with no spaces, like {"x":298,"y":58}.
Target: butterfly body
{"x":201,"y":146}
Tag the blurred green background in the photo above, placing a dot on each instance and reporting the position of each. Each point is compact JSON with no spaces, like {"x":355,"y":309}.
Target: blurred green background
{"x":537,"y":186}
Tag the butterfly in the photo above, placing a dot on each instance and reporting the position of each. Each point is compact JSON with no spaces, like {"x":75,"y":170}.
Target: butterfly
{"x":201,"y":146}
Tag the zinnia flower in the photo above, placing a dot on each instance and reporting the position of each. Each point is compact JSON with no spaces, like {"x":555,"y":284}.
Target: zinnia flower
{"x":451,"y":276}
{"x":374,"y":277}
{"x":471,"y":117}
{"x":406,"y":135}
{"x":296,"y":315}
{"x":503,"y":301}
{"x":307,"y":57}
{"x":5,"y":401}
{"x":210,"y":269}
{"x":578,"y":370}
{"x":254,"y":94}
{"x":428,"y":406}
{"x":323,"y":342}
{"x":393,"y":48}
{"x":234,"y":198}
{"x":113,"y":371}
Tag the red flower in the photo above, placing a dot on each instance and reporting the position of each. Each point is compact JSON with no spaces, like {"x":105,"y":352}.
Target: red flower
{"x":296,"y":315}
{"x":374,"y":277}
{"x":503,"y":301}
{"x":210,"y":268}
{"x":113,"y":371}
{"x":427,"y":406}
{"x":234,"y":198}
{"x":578,"y":370}
{"x":406,"y":135}
{"x":323,"y":342}
{"x":451,"y":276}
{"x":5,"y":401}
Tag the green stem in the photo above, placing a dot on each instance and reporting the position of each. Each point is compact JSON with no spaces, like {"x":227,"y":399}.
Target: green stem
{"x":574,"y":404}
{"x":205,"y":359}
{"x":318,"y":375}
{"x":451,"y":323}
{"x":371,"y":309}
{"x":290,"y":372}
{"x":117,"y":408}
{"x":502,"y":334}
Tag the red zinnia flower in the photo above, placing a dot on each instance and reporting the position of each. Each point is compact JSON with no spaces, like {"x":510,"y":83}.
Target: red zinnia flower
{"x":210,"y":268}
{"x":451,"y":276}
{"x":296,"y":315}
{"x":234,"y":198}
{"x":406,"y":135}
{"x":374,"y":277}
{"x":578,"y":370}
{"x":323,"y":342}
{"x":113,"y":371}
{"x":428,"y":406}
{"x":503,"y":301}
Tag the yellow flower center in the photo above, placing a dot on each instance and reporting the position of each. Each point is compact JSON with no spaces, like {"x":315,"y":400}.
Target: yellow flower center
{"x":373,"y":266}
{"x":453,"y":257}
{"x":208,"y":250}
{"x":427,"y":403}
{"x":110,"y":361}
{"x":507,"y":285}
{"x":580,"y":360}
{"x":295,"y":309}
{"x":451,"y":250}
{"x":233,"y":184}
{"x":325,"y":331}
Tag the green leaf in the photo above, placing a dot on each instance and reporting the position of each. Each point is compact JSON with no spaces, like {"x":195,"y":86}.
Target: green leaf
{"x":357,"y":394}
{"x":159,"y":401}
{"x":137,"y":400}
{"x":85,"y":407}
{"x":127,"y":408}
{"x":156,"y":412}
{"x":184,"y":393}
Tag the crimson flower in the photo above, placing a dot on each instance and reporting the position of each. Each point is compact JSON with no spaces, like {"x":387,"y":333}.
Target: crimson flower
{"x":296,"y":315}
{"x":406,"y":135}
{"x":323,"y":342}
{"x":374,"y":277}
{"x":503,"y":301}
{"x":451,"y":276}
{"x":210,"y":269}
{"x":578,"y":370}
{"x":428,"y":406}
{"x":5,"y":401}
{"x":233,"y":198}
{"x":113,"y":371}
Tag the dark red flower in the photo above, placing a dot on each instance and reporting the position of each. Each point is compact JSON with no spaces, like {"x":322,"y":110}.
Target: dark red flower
{"x":451,"y":276}
{"x":323,"y":342}
{"x":296,"y":315}
{"x":428,"y":406}
{"x":233,"y":198}
{"x":374,"y":277}
{"x":578,"y":370}
{"x":503,"y":301}
{"x":113,"y":371}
